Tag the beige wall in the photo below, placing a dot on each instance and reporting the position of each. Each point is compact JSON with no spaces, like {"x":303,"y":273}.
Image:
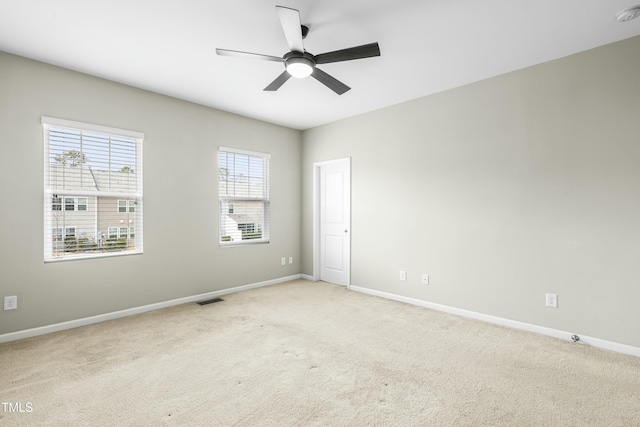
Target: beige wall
{"x":501,"y":191}
{"x":181,"y":253}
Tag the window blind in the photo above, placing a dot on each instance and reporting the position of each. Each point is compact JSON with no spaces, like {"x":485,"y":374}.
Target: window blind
{"x":92,"y":190}
{"x":243,"y":178}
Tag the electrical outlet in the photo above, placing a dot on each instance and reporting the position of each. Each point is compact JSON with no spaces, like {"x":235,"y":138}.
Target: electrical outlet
{"x":403,"y":276}
{"x":290,"y":260}
{"x":283,"y":261}
{"x":551,"y":300}
{"x":11,"y":303}
{"x":425,"y":279}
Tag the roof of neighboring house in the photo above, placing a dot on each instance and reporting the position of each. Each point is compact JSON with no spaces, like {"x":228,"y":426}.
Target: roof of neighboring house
{"x":239,"y":189}
{"x":249,"y":218}
{"x":85,"y":178}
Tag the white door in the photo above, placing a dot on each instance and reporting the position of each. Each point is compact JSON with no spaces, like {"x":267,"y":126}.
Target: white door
{"x":335,"y":221}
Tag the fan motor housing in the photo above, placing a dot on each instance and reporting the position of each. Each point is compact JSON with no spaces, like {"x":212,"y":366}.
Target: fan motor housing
{"x":304,"y":57}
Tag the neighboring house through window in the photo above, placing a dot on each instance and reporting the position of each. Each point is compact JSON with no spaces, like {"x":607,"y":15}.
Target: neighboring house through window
{"x":243,"y":196}
{"x":93,"y":189}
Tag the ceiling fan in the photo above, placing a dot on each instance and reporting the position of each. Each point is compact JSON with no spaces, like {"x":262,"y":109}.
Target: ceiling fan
{"x":300,"y":63}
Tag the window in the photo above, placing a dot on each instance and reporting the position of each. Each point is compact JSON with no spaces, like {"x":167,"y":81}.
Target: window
{"x":113,"y":233}
{"x":70,"y":203}
{"x":64,"y":238}
{"x":56,"y":203}
{"x":126,"y":206}
{"x":88,"y":171}
{"x":65,"y":232}
{"x":243,"y":196}
{"x":70,"y":232}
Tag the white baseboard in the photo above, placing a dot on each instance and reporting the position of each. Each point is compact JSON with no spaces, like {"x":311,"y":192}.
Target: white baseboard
{"x":563,"y":335}
{"x":308,"y":277}
{"x":28,"y":333}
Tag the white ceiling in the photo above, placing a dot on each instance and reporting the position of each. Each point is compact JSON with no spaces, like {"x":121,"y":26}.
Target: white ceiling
{"x":168,"y":46}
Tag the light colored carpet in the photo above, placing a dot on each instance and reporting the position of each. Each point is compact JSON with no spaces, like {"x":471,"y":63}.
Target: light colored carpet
{"x":312,"y":354}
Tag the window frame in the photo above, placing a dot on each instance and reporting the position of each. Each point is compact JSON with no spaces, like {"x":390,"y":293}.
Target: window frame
{"x":225,"y":202}
{"x":52,"y":195}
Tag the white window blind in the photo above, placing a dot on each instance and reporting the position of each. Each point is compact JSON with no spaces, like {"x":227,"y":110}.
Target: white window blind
{"x":89,"y":170}
{"x":244,"y":196}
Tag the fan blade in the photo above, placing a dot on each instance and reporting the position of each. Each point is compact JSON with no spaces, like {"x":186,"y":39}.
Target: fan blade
{"x":247,"y":55}
{"x":290,"y":21}
{"x":279,"y":81}
{"x":330,"y":82}
{"x":358,"y":52}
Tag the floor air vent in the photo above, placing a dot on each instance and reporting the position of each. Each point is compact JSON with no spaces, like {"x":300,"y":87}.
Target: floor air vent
{"x":210,"y":301}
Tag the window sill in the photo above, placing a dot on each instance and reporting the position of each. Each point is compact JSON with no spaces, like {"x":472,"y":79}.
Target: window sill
{"x":243,"y":243}
{"x":91,"y":256}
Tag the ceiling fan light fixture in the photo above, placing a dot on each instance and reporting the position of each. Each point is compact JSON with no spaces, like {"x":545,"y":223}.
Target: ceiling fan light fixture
{"x":298,"y":62}
{"x":300,"y":67}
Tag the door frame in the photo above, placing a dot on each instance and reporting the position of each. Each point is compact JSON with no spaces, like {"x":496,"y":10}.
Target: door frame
{"x":317,"y":167}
